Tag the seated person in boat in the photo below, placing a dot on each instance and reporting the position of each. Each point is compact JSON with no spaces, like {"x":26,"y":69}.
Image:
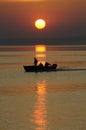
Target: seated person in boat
{"x":47,"y":64}
{"x":40,"y":65}
{"x":35,"y":61}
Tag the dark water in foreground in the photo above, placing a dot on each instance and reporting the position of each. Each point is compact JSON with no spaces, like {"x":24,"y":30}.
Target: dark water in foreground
{"x":43,"y":101}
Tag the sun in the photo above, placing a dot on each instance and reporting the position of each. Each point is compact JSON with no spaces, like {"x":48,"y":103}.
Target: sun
{"x":40,"y":23}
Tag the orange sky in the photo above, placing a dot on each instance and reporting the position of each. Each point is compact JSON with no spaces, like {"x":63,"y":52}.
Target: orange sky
{"x":65,"y":21}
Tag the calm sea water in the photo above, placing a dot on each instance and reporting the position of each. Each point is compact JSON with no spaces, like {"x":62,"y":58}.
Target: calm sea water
{"x":44,"y":100}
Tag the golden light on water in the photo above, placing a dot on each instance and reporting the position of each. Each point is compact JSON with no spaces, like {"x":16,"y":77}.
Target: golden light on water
{"x":41,"y":88}
{"x":40,"y":112}
{"x":40,"y":48}
{"x":40,"y":53}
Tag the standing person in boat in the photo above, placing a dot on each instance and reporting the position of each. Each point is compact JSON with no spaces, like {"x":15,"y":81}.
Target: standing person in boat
{"x":35,"y":61}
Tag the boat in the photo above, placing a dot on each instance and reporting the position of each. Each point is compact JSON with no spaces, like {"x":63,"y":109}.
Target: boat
{"x":40,"y":68}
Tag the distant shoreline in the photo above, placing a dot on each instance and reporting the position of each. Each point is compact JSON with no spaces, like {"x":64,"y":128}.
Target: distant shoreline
{"x":49,"y":47}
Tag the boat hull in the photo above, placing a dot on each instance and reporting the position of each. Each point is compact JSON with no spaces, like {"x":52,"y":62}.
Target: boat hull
{"x":40,"y":68}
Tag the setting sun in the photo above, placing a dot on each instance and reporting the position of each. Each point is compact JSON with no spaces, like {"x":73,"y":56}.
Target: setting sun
{"x":40,"y":24}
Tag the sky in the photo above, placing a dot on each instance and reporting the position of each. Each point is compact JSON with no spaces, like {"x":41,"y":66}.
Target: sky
{"x":65,"y":22}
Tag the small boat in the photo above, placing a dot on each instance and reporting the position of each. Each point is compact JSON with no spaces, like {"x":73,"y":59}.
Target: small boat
{"x":40,"y":68}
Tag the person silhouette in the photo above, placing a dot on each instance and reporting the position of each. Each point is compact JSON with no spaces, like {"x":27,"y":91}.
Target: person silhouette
{"x":47,"y":64}
{"x":35,"y":61}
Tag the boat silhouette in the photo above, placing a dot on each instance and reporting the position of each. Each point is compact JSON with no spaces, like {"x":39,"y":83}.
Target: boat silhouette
{"x":40,"y":68}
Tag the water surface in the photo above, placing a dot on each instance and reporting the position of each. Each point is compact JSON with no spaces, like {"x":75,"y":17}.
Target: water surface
{"x":43,"y":101}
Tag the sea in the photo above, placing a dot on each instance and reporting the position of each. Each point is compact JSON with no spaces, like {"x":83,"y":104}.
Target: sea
{"x":44,"y":100}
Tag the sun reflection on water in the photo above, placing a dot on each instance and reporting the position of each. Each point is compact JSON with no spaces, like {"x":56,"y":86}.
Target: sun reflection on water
{"x":40,"y":48}
{"x":40,"y":112}
{"x":40,"y":53}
